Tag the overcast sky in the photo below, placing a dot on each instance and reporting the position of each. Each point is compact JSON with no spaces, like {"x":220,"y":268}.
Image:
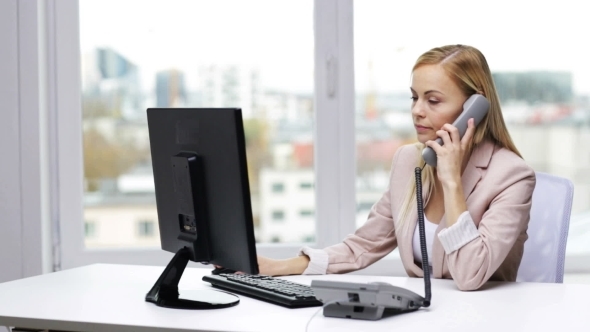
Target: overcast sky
{"x":277,"y":36}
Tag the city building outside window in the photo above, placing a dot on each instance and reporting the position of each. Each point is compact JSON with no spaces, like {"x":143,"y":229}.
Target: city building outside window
{"x":145,"y":228}
{"x":89,"y":229}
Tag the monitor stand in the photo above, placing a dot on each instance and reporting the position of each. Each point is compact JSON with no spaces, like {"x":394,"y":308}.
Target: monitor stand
{"x":165,"y":290}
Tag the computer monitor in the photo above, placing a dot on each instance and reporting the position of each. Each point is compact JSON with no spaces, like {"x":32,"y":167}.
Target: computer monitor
{"x":202,"y":197}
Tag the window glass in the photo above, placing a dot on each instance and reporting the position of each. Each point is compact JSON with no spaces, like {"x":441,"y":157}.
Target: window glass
{"x":278,"y":187}
{"x":306,"y":213}
{"x":145,"y":228}
{"x":89,"y":229}
{"x":305,"y":185}
{"x":278,"y":215}
{"x":255,"y":55}
{"x":539,"y":64}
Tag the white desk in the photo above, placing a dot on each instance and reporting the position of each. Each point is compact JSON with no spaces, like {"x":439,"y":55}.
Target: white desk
{"x":111,"y":298}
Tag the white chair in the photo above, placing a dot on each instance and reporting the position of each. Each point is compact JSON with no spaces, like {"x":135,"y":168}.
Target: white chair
{"x":544,"y":251}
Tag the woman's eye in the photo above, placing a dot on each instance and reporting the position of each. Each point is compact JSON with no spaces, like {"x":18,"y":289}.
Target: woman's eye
{"x":414,"y":99}
{"x":434,"y":102}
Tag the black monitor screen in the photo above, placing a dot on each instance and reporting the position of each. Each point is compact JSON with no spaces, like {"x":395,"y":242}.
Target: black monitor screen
{"x":201,"y":183}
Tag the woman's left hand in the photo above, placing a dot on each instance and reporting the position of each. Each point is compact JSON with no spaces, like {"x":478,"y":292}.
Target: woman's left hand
{"x":451,"y":154}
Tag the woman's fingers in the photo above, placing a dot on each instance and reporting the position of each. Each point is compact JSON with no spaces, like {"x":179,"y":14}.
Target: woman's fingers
{"x":468,"y":134}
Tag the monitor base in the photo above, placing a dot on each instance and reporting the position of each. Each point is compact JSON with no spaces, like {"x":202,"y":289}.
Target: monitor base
{"x":164,"y":293}
{"x":200,"y":299}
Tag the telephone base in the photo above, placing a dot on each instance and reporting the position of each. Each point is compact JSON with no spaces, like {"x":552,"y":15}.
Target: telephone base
{"x":361,"y":311}
{"x":370,"y":301}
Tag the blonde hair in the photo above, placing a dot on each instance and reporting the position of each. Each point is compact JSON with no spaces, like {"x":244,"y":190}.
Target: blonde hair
{"x":468,"y":68}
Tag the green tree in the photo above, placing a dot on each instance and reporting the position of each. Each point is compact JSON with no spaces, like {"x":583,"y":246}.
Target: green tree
{"x":104,"y":159}
{"x":97,"y":108}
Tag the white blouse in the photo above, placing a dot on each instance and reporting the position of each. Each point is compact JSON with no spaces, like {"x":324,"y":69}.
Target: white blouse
{"x":430,"y":230}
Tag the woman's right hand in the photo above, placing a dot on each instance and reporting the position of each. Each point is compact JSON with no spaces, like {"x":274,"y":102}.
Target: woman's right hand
{"x":280,"y":267}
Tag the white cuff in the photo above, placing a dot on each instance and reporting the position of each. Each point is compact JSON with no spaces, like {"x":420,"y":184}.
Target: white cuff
{"x":318,"y":260}
{"x":462,"y":232}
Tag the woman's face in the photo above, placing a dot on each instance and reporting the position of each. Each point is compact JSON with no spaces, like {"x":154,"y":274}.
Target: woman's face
{"x":436,"y":100}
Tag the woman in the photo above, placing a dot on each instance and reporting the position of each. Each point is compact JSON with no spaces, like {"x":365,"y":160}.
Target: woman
{"x":477,"y":200}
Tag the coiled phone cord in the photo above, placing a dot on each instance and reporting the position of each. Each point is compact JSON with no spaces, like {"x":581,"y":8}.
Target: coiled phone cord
{"x":425,"y":267}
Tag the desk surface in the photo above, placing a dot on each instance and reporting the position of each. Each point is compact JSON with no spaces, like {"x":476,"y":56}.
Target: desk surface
{"x":111,"y":298}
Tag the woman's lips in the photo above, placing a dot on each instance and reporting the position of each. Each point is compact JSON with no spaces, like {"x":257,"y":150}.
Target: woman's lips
{"x":421,"y":129}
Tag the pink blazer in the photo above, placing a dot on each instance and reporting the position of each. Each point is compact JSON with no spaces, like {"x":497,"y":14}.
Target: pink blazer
{"x":498,"y":187}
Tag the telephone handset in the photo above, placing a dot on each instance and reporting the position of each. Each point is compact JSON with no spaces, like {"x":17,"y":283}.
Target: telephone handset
{"x":475,"y":107}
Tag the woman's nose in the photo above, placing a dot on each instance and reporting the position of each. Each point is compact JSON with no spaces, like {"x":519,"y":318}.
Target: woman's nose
{"x":418,"y":109}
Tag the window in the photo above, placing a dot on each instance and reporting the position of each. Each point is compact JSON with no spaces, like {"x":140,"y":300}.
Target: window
{"x":285,"y":136}
{"x":183,"y":55}
{"x":383,"y":54}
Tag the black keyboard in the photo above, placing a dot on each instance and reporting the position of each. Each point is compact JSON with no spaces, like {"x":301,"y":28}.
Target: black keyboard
{"x":274,"y":290}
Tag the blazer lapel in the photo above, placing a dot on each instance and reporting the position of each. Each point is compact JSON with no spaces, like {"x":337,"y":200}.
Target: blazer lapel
{"x":473,"y":171}
{"x":471,"y":176}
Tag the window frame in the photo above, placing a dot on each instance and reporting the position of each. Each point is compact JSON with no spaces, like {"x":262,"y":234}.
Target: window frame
{"x":55,"y":85}
{"x":24,"y":197}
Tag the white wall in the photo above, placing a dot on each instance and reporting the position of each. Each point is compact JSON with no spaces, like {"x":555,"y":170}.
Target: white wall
{"x":25,"y":241}
{"x":10,"y":194}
